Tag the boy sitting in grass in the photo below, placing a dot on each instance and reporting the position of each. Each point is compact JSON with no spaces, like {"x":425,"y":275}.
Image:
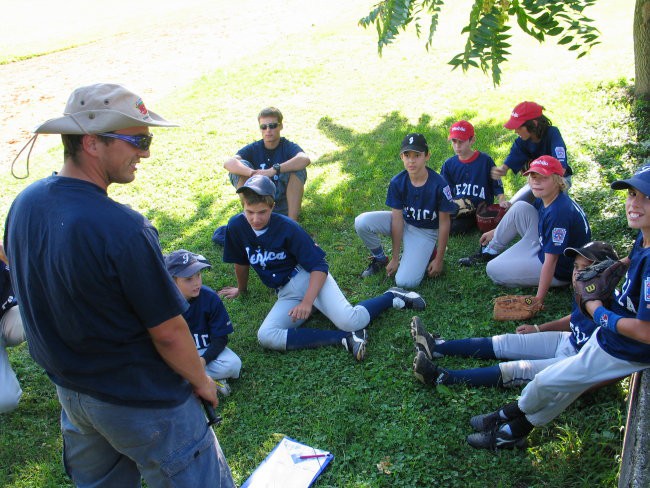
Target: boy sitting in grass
{"x":206,"y":317}
{"x":288,"y":260}
{"x":468,"y":175}
{"x":421,"y":204}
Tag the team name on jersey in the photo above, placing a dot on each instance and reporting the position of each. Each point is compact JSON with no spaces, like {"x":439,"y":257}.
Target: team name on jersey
{"x":470,"y":190}
{"x":580,"y":336}
{"x":419,"y":213}
{"x":261,"y":258}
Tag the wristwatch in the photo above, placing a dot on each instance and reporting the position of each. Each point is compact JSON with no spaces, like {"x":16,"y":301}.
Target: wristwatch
{"x":276,"y":167}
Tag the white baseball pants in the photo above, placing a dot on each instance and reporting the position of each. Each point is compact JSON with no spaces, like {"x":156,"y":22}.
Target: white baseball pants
{"x":272,"y":334}
{"x":518,"y":265}
{"x":11,"y":334}
{"x":559,"y":385}
{"x":417,"y":245}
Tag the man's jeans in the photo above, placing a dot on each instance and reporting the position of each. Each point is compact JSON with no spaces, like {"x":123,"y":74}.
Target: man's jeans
{"x":107,"y":445}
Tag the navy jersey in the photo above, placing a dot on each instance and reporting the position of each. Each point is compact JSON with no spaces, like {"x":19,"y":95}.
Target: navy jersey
{"x":275,"y":253}
{"x":262,"y":158}
{"x":633,"y":300}
{"x":208,"y":320}
{"x":582,"y":327}
{"x":562,"y":224}
{"x":90,"y":277}
{"x":552,"y":144}
{"x":471,"y":179}
{"x":420,"y":204}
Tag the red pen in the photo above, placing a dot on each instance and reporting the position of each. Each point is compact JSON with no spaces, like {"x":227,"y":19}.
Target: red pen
{"x":312,"y":456}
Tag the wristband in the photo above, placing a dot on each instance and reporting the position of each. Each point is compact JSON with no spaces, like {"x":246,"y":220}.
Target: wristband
{"x":536,"y":327}
{"x":606,"y":318}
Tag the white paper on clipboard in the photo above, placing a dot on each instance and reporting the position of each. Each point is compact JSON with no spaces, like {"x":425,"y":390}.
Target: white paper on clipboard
{"x":284,"y":468}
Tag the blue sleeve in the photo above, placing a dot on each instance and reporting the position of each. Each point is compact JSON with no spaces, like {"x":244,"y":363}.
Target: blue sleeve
{"x":444,"y":197}
{"x":517,"y":157}
{"x":219,"y":320}
{"x":233,"y":248}
{"x":291,"y":149}
{"x":445,"y":173}
{"x":394,"y":197}
{"x":497,"y":185}
{"x":557,"y":147}
{"x":247,"y":153}
{"x":308,"y":254}
{"x":555,"y":232}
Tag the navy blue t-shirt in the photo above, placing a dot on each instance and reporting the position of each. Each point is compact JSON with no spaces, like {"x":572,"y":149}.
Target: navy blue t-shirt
{"x":276,"y":252}
{"x":562,"y":224}
{"x":91,"y":279}
{"x":552,"y":144}
{"x":262,"y":158}
{"x":420,"y":205}
{"x":633,"y":300}
{"x":208,"y":320}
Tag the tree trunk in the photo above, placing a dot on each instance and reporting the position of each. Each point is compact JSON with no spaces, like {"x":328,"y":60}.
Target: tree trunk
{"x":641,"y":35}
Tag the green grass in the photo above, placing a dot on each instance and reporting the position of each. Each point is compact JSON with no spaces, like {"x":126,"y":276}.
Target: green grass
{"x":349,"y":109}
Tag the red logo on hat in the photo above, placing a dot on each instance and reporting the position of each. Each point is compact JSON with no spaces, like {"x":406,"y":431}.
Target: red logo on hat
{"x":140,"y":105}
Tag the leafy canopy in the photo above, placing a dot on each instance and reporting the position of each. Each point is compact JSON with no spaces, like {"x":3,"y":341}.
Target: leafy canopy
{"x":487,"y":38}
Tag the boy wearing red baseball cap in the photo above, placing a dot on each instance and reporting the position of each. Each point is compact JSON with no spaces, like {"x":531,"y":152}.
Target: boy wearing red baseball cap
{"x":468,"y":176}
{"x":547,"y":227}
{"x":537,"y":136}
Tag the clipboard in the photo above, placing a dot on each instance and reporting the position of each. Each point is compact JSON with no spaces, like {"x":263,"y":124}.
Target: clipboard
{"x":290,"y":464}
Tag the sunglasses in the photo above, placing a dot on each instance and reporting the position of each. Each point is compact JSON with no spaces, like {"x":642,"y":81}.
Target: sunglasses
{"x":272,"y":125}
{"x":141,"y":141}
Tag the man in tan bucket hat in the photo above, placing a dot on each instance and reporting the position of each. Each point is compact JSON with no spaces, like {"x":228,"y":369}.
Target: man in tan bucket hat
{"x":111,"y":335}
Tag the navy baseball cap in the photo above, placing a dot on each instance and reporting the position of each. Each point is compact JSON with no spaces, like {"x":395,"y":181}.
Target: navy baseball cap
{"x":593,"y":251}
{"x":640,"y":181}
{"x":184,"y":264}
{"x":260,"y":184}
{"x":414,"y":142}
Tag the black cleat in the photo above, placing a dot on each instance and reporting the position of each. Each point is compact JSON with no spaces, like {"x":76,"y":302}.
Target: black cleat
{"x":423,"y":340}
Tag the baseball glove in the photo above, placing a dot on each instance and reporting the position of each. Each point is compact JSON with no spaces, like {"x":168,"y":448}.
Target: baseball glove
{"x":598,"y":282}
{"x":465,"y":208}
{"x":489,"y":216}
{"x":516,"y":307}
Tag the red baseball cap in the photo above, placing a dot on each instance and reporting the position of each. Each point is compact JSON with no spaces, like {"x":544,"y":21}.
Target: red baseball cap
{"x":523,"y":112}
{"x":461,"y":130}
{"x":545,"y":165}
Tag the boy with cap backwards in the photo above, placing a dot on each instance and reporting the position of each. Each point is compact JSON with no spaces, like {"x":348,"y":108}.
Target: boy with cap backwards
{"x":528,"y":352}
{"x":547,"y":227}
{"x":421,"y":205}
{"x":536,"y":136}
{"x":206,"y":317}
{"x":112,"y":337}
{"x":620,"y":345}
{"x":468,"y":175}
{"x":287,"y":259}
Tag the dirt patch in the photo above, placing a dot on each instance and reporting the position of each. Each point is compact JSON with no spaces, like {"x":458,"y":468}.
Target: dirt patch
{"x":154,"y":61}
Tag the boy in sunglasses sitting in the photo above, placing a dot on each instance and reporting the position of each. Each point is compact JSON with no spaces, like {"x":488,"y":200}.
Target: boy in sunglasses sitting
{"x":281,"y":160}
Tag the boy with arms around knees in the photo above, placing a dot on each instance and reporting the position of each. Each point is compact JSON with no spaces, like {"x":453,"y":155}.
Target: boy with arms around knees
{"x":287,"y":259}
{"x":206,"y":317}
{"x":421,"y":204}
{"x":468,"y":175}
{"x":547,"y":227}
